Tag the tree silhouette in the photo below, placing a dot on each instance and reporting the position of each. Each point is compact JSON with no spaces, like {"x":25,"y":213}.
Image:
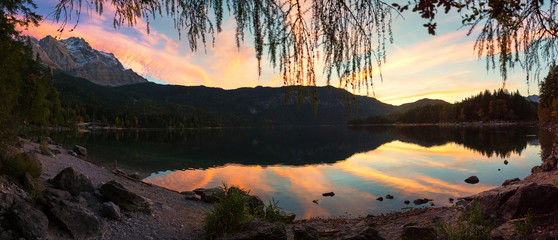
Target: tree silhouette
{"x":350,"y":36}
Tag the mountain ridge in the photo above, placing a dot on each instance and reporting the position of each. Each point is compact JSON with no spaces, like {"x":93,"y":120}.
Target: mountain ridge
{"x":76,"y":57}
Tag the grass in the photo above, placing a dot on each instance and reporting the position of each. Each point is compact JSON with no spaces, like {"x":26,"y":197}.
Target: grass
{"x":17,"y":165}
{"x":233,"y":212}
{"x":229,"y":215}
{"x":524,"y":226}
{"x":470,"y":225}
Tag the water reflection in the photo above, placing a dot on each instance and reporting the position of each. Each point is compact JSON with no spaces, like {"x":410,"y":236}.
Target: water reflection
{"x":297,"y":165}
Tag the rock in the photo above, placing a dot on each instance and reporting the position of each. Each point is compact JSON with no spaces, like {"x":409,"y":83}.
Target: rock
{"x":432,"y":204}
{"x":29,"y":182}
{"x":189,"y":195}
{"x":421,"y":201}
{"x":316,"y":201}
{"x":407,"y":202}
{"x":305,"y":232}
{"x":506,"y":162}
{"x":210,"y":195}
{"x":78,"y":220}
{"x":72,"y":181}
{"x":257,"y":230}
{"x":328,"y":194}
{"x":27,"y":221}
{"x":135,"y":175}
{"x":255,"y":205}
{"x":451,"y":200}
{"x":418,"y":233}
{"x":499,"y":169}
{"x":47,"y":140}
{"x":536,"y":169}
{"x":490,"y":201}
{"x":472,"y":180}
{"x":72,"y":153}
{"x":380,"y":199}
{"x":47,"y":152}
{"x":549,"y":163}
{"x":50,"y":196}
{"x":539,"y":198}
{"x":124,"y":198}
{"x":111,"y":210}
{"x":56,"y":151}
{"x":389,"y":197}
{"x":511,"y":181}
{"x":359,"y":231}
{"x":289,"y":216}
{"x":504,"y":231}
{"x":79,"y":150}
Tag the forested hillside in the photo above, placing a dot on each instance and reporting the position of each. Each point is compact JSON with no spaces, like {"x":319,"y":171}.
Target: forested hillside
{"x":499,"y":105}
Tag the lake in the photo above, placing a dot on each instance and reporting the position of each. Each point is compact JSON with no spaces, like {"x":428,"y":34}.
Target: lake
{"x":295,"y":165}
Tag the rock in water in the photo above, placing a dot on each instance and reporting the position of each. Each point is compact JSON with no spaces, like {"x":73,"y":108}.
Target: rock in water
{"x":72,"y":181}
{"x":28,"y":221}
{"x":305,"y":232}
{"x":316,"y":201}
{"x":328,"y":194}
{"x":421,"y":201}
{"x":389,"y":196}
{"x":506,"y":162}
{"x":80,"y":150}
{"x":407,"y":202}
{"x":472,"y":180}
{"x":124,"y":198}
{"x":380,"y":199}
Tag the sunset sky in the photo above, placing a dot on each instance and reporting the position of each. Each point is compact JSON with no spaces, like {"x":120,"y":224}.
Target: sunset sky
{"x":418,"y":65}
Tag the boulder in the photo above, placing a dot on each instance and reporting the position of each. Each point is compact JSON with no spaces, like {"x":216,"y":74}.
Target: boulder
{"x":380,"y":199}
{"x":79,"y":150}
{"x":111,"y":210}
{"x":255,"y":205}
{"x":539,"y":198}
{"x":51,"y":196}
{"x":27,"y":221}
{"x":211,"y":195}
{"x":56,"y":151}
{"x":288,"y":216}
{"x":317,"y":201}
{"x":504,"y":231}
{"x":472,"y":180}
{"x":491,"y":200}
{"x":257,"y":230}
{"x":360,"y":231}
{"x":421,"y":201}
{"x":47,"y":140}
{"x":451,"y":200}
{"x":389,"y":196}
{"x":135,"y":175}
{"x":305,"y":232}
{"x":506,"y":162}
{"x":79,"y":221}
{"x":406,"y":201}
{"x":72,"y":181}
{"x":418,"y":233}
{"x":29,"y":182}
{"x":511,"y":181}
{"x":549,"y":163}
{"x":189,"y":195}
{"x":124,"y":198}
{"x":46,"y":151}
{"x":328,"y":194}
{"x":72,"y":153}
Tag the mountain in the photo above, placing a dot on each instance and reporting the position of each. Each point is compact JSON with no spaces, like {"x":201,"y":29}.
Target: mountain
{"x":76,"y":57}
{"x":198,"y":106}
{"x":533,"y":98}
{"x":420,"y":103}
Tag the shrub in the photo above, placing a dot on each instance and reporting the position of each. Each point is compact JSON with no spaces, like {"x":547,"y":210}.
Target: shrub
{"x":469,"y":225}
{"x":273,"y":213}
{"x":17,"y":165}
{"x":229,"y":215}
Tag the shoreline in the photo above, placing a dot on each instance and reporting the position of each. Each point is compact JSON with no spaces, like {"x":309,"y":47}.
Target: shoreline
{"x":173,"y":216}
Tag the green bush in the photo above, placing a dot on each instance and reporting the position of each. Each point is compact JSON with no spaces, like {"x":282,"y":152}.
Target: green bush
{"x":470,"y":225}
{"x":229,"y":215}
{"x":17,"y":165}
{"x":273,"y":213}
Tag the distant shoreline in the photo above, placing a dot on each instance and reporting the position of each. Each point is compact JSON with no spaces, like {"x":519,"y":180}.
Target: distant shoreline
{"x":457,"y":124}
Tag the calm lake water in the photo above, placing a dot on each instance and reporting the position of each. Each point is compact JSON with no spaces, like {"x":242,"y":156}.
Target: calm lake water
{"x":295,"y":166}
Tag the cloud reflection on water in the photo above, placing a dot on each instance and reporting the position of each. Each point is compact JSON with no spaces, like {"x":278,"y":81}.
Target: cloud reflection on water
{"x":404,"y":170}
